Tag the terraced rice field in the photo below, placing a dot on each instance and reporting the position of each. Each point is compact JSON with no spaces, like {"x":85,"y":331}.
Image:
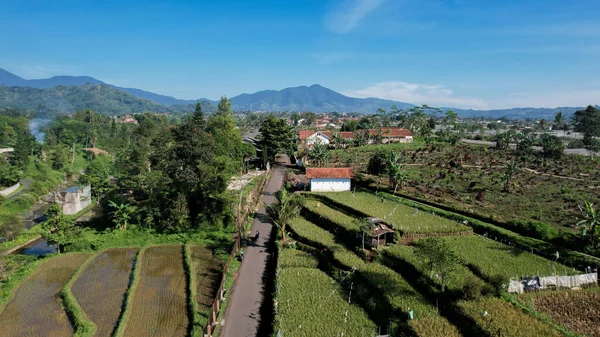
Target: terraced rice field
{"x":158,"y":306}
{"x":208,"y":271}
{"x":493,"y":258}
{"x":101,"y":288}
{"x":35,"y":309}
{"x":402,"y":217}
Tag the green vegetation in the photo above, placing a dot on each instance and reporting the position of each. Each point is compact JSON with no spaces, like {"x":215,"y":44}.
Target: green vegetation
{"x":127,"y":303}
{"x":83,"y":326}
{"x":294,"y":258}
{"x":402,"y":217}
{"x":13,"y":269}
{"x":490,"y":258}
{"x":310,"y":303}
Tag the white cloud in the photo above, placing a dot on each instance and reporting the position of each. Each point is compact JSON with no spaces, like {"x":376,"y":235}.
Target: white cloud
{"x":549,"y":99}
{"x":348,"y":16}
{"x":434,"y":95}
{"x":329,"y":58}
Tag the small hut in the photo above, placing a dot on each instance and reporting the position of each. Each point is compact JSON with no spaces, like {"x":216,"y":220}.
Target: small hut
{"x":379,"y":234}
{"x":74,"y":199}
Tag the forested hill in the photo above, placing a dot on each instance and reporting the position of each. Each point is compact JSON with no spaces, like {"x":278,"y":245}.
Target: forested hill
{"x":102,"y":98}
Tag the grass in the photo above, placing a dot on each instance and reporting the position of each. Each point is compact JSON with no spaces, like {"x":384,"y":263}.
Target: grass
{"x":192,"y":305}
{"x":25,"y":236}
{"x":294,"y":258}
{"x":18,"y":268}
{"x":83,"y":326}
{"x":489,"y":258}
{"x":401,"y":217}
{"x":317,"y":308}
{"x":127,"y":303}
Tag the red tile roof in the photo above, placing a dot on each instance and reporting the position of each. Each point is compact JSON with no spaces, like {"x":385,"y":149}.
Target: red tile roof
{"x":329,"y":172}
{"x":303,"y":134}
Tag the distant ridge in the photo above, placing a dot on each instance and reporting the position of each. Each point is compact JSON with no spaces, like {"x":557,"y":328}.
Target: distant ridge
{"x":19,"y":92}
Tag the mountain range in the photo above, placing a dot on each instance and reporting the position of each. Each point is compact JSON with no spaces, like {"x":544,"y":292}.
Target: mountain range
{"x":70,"y":93}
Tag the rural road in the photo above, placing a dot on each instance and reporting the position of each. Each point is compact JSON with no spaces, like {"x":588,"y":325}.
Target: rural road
{"x":243,"y":316}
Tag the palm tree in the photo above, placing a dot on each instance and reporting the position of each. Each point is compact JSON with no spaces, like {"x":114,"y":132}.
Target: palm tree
{"x":286,"y":208}
{"x":589,"y":223}
{"x":318,"y":155}
{"x":120,"y":214}
{"x":559,"y":121}
{"x":338,"y":141}
{"x":509,"y":171}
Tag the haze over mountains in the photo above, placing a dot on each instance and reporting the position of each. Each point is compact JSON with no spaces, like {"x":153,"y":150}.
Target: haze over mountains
{"x":70,"y":93}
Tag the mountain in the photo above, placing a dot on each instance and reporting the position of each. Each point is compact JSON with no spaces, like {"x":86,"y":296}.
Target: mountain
{"x":70,"y":93}
{"x":11,"y":80}
{"x":314,"y":98}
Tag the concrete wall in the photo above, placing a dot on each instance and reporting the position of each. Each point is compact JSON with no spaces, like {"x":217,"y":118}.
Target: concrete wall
{"x":11,"y":189}
{"x":6,"y":149}
{"x":329,"y":184}
{"x":72,"y":202}
{"x":317,"y":138}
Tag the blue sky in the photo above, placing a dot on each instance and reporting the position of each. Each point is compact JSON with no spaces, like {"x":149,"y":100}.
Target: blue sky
{"x":459,"y":53}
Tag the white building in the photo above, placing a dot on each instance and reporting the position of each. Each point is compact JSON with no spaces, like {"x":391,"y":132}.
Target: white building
{"x":317,"y":138}
{"x":74,"y":199}
{"x":329,"y":179}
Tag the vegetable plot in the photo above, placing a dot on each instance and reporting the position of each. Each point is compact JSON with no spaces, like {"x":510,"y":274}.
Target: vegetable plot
{"x":101,"y":288}
{"x":34,"y":309}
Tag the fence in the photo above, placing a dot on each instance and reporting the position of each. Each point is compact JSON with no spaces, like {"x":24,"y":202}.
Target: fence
{"x":215,"y":309}
{"x":553,"y":282}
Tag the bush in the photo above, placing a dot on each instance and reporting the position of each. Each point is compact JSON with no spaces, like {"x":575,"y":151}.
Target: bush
{"x":473,"y":289}
{"x":576,"y":144}
{"x":499,"y":283}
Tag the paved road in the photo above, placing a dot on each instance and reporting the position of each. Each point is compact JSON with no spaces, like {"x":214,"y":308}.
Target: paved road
{"x":25,"y":184}
{"x":243,"y":316}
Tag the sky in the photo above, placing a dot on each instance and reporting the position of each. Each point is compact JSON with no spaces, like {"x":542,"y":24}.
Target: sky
{"x":481,"y":54}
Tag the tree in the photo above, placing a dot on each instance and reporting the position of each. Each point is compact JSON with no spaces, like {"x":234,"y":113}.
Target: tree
{"x":286,"y":208}
{"x":589,"y":224}
{"x":121,"y":214}
{"x":559,"y":122}
{"x":97,"y":175}
{"x":11,"y":227}
{"x":338,"y":141}
{"x":437,"y":256}
{"x":318,"y":155}
{"x":226,"y":135}
{"x":350,"y":125}
{"x":451,"y":117}
{"x":60,"y":157}
{"x":588,"y":122}
{"x":9,"y":174}
{"x":58,"y":229}
{"x":552,"y":146}
{"x":361,"y":137}
{"x":393,"y":168}
{"x":509,"y":172}
{"x":277,"y":137}
{"x":198,"y":117}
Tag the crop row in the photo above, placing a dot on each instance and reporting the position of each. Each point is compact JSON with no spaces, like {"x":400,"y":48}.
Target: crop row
{"x":294,"y":258}
{"x":403,"y":218}
{"x":400,"y":295}
{"x":492,"y":258}
{"x":500,"y":318}
{"x":310,"y":303}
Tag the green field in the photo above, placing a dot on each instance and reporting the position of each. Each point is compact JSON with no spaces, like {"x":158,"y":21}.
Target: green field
{"x":403,"y":218}
{"x":494,"y":258}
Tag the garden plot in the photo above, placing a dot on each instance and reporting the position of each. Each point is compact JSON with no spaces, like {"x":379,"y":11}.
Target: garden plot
{"x":208,"y":271}
{"x":159,"y":303}
{"x":101,"y":288}
{"x":406,"y":219}
{"x":578,"y":311}
{"x":310,"y":303}
{"x":492,"y":258}
{"x":500,"y":318}
{"x":35,"y":309}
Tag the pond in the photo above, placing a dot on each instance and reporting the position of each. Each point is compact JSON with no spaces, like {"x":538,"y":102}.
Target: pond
{"x":38,"y":248}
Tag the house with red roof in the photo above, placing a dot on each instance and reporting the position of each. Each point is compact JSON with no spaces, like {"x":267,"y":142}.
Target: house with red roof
{"x":329,"y":179}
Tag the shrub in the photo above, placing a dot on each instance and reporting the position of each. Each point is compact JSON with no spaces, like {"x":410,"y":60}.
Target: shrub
{"x":473,"y":288}
{"x":498,"y":282}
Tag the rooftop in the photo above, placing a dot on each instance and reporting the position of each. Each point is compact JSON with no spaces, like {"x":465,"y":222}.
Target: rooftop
{"x":329,"y":172}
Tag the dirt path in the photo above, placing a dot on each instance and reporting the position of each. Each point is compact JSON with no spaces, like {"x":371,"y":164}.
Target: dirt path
{"x":243,"y":316}
{"x":25,"y":184}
